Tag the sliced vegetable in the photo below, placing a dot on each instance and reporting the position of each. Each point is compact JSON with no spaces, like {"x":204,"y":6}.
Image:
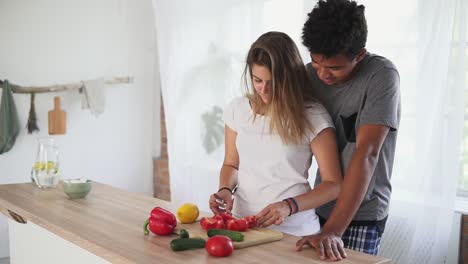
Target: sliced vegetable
{"x":227,"y":221}
{"x":234,"y":235}
{"x":242,"y":224}
{"x":208,"y":223}
{"x":232,"y":225}
{"x":252,"y":220}
{"x":226,"y":216}
{"x":184,"y":233}
{"x":180,"y":244}
{"x":219,"y":218}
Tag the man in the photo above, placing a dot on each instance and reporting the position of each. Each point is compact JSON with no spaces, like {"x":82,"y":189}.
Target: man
{"x":361,"y":92}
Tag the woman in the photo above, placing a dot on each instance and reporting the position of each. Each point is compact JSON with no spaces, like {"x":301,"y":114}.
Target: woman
{"x":271,"y":134}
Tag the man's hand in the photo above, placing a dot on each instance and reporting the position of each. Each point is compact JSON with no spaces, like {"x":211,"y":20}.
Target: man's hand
{"x":274,"y":213}
{"x":326,"y":244}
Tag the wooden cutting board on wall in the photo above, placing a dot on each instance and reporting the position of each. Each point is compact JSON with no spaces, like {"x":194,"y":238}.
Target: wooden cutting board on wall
{"x":57,"y":119}
{"x":252,"y":237}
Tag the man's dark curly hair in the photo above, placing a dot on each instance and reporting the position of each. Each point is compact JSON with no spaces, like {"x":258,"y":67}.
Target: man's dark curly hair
{"x":334,"y":27}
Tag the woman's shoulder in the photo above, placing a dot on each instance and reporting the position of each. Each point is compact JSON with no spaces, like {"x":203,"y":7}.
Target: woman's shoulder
{"x":239,"y":102}
{"x":315,"y":108}
{"x":318,"y":117}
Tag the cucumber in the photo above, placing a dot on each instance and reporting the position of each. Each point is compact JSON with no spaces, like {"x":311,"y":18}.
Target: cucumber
{"x":180,"y":244}
{"x":183,"y":233}
{"x":234,"y":235}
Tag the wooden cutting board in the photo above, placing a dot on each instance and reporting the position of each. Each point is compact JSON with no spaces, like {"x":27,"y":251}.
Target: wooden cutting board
{"x":57,"y":119}
{"x":252,"y":237}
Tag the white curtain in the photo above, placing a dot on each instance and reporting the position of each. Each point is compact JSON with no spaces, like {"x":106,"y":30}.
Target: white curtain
{"x":427,"y":41}
{"x":202,"y":47}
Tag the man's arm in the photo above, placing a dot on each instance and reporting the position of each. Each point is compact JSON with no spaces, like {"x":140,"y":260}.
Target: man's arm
{"x":369,"y":141}
{"x":328,"y":243}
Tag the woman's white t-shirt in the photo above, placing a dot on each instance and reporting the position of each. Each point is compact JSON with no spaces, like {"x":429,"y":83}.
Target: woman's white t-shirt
{"x":269,"y":170}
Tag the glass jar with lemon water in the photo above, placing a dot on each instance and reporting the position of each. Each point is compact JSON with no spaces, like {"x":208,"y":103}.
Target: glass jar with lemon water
{"x":45,"y":172}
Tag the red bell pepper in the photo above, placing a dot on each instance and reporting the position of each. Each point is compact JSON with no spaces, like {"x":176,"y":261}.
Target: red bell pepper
{"x":252,"y":220}
{"x":208,"y":223}
{"x":164,"y":216}
{"x":227,"y":221}
{"x":242,"y":224}
{"x":226,"y":216}
{"x":161,"y":222}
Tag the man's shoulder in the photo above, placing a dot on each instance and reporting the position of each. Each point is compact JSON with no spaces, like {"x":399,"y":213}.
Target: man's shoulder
{"x":376,"y":63}
{"x":309,"y":68}
{"x":312,"y":74}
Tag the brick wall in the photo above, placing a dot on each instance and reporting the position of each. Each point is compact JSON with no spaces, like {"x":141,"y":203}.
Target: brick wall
{"x":463,"y":256}
{"x":161,"y":181}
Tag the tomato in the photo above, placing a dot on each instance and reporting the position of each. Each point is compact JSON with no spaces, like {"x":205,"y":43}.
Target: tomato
{"x":242,"y":224}
{"x":226,"y":216}
{"x":219,"y":246}
{"x":252,"y":220}
{"x":159,"y":227}
{"x":164,"y":216}
{"x":232,"y":225}
{"x":208,"y":223}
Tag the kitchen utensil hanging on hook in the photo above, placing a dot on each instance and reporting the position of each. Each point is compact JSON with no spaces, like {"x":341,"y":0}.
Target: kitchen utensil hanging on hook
{"x":57,"y":119}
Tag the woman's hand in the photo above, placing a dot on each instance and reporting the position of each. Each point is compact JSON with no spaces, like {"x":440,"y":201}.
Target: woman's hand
{"x":221,"y":201}
{"x":274,"y":213}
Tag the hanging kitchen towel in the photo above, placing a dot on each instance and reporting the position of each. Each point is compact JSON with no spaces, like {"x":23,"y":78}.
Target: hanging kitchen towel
{"x":9,"y":121}
{"x":93,"y":96}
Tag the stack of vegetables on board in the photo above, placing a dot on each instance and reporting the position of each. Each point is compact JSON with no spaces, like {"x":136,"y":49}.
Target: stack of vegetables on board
{"x":222,"y":229}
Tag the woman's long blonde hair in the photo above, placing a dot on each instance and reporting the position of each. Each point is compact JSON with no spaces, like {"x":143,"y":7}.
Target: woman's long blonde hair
{"x":290,"y":86}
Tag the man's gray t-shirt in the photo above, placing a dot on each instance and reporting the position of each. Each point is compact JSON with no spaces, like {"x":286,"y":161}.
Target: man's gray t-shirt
{"x":371,"y":96}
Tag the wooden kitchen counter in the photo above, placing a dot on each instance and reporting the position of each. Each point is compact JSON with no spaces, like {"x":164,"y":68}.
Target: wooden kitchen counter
{"x":109,"y":224}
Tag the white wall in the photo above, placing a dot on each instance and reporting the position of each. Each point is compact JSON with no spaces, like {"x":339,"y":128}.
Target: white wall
{"x":60,"y":41}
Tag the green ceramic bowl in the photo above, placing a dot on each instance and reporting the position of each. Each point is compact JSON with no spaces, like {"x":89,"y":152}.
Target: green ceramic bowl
{"x":77,"y":188}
